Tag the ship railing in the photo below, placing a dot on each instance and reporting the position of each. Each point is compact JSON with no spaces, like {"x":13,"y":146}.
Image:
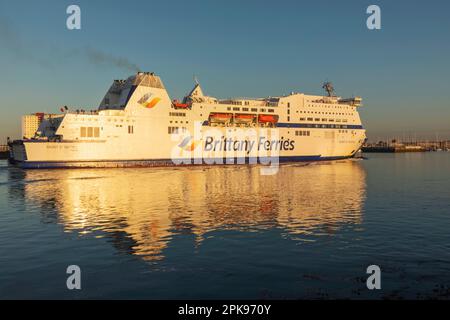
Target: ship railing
{"x":239,"y":104}
{"x":82,"y":111}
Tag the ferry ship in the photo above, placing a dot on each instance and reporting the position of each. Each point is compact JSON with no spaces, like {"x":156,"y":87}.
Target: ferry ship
{"x":138,"y":124}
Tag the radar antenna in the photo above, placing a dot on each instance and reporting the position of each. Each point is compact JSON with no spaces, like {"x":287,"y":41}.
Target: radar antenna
{"x":328,"y":86}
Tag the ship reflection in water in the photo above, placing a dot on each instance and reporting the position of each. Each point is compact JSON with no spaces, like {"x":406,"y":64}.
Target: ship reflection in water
{"x":141,"y":210}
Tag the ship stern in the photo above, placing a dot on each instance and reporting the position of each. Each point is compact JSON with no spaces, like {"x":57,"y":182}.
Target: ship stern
{"x":18,"y":152}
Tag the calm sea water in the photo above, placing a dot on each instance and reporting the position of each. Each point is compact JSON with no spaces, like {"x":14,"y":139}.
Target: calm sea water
{"x":309,"y":231}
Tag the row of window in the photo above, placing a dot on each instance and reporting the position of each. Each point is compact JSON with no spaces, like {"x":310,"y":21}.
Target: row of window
{"x":337,"y":113}
{"x":94,"y":132}
{"x":108,"y":119}
{"x":89,"y":132}
{"x":239,"y":103}
{"x":288,"y":111}
{"x":337,"y":126}
{"x":323,"y":119}
{"x":177,"y":114}
{"x":302,"y":133}
{"x":251,"y":109}
{"x":328,"y":106}
{"x":87,"y":119}
{"x":177,"y":121}
{"x":120,"y":120}
{"x":176,"y":130}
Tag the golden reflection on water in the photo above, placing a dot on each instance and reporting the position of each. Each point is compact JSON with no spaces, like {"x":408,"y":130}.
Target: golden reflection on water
{"x":142,"y":209}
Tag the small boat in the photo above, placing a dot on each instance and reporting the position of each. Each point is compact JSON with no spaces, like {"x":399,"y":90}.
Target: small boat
{"x":244,"y":118}
{"x":220,"y":117}
{"x":268,"y":118}
{"x":178,"y":105}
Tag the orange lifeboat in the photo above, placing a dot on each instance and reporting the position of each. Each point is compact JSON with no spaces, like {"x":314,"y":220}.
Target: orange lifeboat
{"x":178,"y":105}
{"x":244,"y":118}
{"x":268,"y":118}
{"x":220,"y":117}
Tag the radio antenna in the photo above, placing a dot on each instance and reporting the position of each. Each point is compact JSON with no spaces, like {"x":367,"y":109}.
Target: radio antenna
{"x":328,"y":86}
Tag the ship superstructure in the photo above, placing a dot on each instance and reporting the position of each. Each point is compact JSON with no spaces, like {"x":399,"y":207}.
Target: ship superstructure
{"x":137,"y":124}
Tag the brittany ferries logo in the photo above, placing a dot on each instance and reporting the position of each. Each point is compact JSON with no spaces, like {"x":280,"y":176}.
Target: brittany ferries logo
{"x":240,"y":146}
{"x":188,"y":144}
{"x":149,"y":100}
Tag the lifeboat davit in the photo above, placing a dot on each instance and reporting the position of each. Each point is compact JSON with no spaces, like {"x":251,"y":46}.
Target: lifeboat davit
{"x":244,"y":118}
{"x":268,"y":118}
{"x":220,"y":117}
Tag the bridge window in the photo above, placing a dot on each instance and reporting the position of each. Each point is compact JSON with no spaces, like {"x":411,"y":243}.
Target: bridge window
{"x":89,"y":132}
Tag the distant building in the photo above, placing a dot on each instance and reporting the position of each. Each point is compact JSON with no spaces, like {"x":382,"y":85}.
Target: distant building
{"x":31,"y":122}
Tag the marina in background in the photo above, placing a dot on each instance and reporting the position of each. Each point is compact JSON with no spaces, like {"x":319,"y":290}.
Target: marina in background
{"x":398,"y":146}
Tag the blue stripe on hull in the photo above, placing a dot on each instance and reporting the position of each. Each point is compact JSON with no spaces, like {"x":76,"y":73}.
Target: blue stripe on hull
{"x":165,"y":162}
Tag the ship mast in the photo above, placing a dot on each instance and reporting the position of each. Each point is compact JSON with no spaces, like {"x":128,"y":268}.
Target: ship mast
{"x":328,"y":86}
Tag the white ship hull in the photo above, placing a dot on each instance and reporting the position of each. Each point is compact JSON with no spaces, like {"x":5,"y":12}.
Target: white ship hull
{"x":146,"y":129}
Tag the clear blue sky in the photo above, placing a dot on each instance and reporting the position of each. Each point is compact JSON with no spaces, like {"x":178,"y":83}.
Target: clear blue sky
{"x":235,"y":48}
